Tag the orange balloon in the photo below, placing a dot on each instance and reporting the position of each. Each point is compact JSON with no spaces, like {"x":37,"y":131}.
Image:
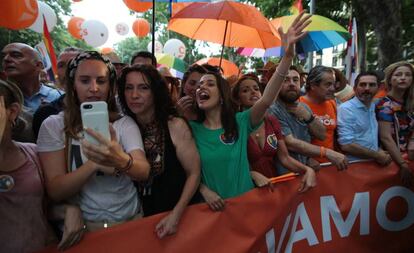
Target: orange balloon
{"x":137,"y":5}
{"x":141,"y":27}
{"x":18,"y":14}
{"x":74,"y":27}
{"x":106,"y":50}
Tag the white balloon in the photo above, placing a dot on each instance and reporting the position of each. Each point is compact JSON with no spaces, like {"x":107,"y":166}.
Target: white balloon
{"x":94,"y":32}
{"x":158,"y":47}
{"x":50,"y":15}
{"x":175,"y":47}
{"x":122,"y":28}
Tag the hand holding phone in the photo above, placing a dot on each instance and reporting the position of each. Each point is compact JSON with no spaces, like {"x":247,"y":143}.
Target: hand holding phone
{"x":95,"y":116}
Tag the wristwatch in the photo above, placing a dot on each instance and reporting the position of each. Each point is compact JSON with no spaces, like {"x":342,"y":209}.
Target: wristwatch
{"x":309,"y":120}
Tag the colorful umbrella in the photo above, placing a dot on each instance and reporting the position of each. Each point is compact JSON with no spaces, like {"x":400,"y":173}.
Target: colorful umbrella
{"x":229,"y":23}
{"x":229,"y":68}
{"x":322,"y":33}
{"x":175,"y":64}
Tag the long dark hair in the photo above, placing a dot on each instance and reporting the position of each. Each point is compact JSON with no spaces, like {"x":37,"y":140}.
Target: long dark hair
{"x":163,"y":105}
{"x":72,"y":115}
{"x":228,"y":108}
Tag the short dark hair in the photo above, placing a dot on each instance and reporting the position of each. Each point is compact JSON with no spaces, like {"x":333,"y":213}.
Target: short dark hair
{"x":193,"y":68}
{"x":145,"y":54}
{"x":365,"y":73}
{"x":212,"y":68}
{"x":297,"y":69}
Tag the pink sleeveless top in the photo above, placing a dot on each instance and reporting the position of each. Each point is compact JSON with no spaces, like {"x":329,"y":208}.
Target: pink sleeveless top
{"x":23,"y":224}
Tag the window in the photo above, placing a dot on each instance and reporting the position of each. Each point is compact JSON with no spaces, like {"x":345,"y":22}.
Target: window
{"x":335,"y":61}
{"x":318,"y":62}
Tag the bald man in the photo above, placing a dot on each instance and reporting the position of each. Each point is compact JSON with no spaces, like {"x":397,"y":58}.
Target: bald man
{"x":22,"y":64}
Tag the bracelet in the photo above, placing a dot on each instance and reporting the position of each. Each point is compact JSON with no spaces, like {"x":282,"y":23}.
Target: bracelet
{"x":126,"y":168}
{"x":280,"y":74}
{"x":323,"y":152}
{"x":309,"y":120}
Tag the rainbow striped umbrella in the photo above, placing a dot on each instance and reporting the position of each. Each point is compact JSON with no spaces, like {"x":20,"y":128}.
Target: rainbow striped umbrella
{"x":171,"y":62}
{"x":322,"y":33}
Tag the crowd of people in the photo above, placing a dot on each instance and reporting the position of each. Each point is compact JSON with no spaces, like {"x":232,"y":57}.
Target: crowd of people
{"x":201,"y":140}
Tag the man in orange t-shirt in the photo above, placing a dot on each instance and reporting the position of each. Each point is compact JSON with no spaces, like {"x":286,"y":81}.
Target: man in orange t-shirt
{"x":320,"y":89}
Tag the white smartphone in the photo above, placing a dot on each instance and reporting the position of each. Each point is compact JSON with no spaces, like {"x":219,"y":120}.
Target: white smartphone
{"x":95,"y":116}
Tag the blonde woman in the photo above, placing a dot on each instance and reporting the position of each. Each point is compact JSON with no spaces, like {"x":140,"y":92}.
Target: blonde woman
{"x":395,"y":115}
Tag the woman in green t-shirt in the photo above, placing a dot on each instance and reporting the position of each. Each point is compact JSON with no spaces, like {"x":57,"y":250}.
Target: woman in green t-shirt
{"x":221,"y":134}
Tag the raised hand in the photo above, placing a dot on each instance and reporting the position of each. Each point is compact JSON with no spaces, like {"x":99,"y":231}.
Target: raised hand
{"x":294,"y":33}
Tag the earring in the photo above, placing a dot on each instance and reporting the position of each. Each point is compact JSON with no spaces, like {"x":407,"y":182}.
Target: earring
{"x":221,"y":101}
{"x":13,"y":123}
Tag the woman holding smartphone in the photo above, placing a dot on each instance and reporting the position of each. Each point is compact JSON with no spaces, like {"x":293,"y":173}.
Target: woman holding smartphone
{"x":169,"y":146}
{"x":97,"y":178}
{"x":221,"y":134}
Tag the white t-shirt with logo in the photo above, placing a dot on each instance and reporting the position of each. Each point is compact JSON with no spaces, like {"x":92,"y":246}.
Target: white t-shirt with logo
{"x":103,"y":197}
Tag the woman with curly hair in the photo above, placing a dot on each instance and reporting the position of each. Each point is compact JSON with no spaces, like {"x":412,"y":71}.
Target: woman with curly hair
{"x":169,"y":146}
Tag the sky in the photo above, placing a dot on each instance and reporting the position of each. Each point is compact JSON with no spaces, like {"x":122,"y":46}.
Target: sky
{"x":112,"y":12}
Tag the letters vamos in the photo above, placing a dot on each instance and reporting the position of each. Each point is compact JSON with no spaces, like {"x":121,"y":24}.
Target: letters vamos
{"x":299,"y":228}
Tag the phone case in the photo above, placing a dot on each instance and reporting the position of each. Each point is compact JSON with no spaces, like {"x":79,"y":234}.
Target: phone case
{"x":95,"y":116}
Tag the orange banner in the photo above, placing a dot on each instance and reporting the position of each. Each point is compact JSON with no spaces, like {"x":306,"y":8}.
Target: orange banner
{"x":362,"y":209}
